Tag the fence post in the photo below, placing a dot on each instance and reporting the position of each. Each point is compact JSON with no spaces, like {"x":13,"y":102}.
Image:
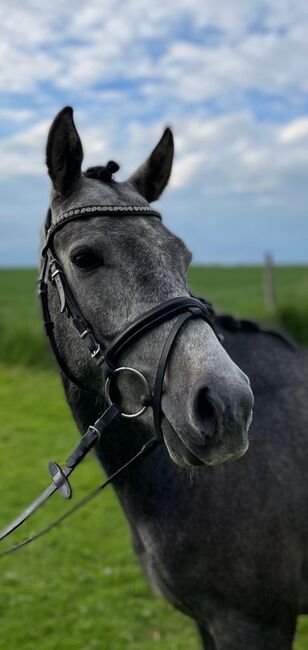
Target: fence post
{"x":269,"y":283}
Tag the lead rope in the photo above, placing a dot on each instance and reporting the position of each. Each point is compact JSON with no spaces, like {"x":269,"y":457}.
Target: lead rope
{"x":151,"y":444}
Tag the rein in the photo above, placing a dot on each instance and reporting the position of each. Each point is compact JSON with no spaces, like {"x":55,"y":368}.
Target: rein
{"x":80,"y":504}
{"x":182,"y":309}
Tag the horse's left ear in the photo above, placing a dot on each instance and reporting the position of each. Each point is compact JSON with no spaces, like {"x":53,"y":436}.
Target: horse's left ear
{"x":64,"y":151}
{"x":151,"y":178}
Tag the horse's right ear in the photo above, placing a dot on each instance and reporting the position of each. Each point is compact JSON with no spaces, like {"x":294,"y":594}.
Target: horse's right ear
{"x":64,"y":151}
{"x":151,"y":178}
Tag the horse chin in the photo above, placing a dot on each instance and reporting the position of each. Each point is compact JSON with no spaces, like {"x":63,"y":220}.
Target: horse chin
{"x":209,"y":454}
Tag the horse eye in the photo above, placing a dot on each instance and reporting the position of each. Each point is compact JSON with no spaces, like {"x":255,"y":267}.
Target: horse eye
{"x":86,"y":260}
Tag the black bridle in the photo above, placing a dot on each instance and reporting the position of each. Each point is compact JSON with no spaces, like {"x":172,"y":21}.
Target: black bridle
{"x":182,"y":309}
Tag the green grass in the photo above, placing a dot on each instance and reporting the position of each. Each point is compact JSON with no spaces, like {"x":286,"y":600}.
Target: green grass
{"x":21,"y":335}
{"x":238,"y":290}
{"x":81,"y":588}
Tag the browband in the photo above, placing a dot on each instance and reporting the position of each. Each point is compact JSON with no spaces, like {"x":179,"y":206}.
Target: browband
{"x":95,"y":210}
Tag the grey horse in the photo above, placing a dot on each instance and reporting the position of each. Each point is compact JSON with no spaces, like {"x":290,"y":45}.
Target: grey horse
{"x":224,"y":542}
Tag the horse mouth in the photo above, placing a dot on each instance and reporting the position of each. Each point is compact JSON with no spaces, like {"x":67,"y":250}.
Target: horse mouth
{"x":211,"y":453}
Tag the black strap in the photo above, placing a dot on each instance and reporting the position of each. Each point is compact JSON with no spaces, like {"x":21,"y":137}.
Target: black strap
{"x":49,"y":329}
{"x":161,"y":370}
{"x":152,"y":318}
{"x":69,"y":303}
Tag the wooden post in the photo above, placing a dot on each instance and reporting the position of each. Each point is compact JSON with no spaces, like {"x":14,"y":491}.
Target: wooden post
{"x":269,"y":283}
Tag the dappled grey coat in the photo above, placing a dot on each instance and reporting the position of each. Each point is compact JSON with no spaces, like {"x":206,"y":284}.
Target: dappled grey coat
{"x":225,"y":542}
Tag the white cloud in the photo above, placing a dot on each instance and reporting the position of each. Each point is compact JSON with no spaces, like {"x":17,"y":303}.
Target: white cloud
{"x":87,"y":44}
{"x":237,"y":155}
{"x":22,"y":153}
{"x":296,"y":131}
{"x":133,"y":67}
{"x":16,"y":115}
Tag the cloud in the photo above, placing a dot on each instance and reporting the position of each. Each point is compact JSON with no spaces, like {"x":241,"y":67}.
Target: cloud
{"x":236,"y":154}
{"x":295,"y":131}
{"x":22,"y":153}
{"x":228,"y":77}
{"x":223,"y":46}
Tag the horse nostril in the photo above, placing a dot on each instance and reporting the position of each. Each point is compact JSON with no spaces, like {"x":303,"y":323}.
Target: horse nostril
{"x":204,"y":413}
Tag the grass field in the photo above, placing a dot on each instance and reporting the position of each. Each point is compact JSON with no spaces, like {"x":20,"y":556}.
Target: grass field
{"x":81,"y":588}
{"x":238,"y":290}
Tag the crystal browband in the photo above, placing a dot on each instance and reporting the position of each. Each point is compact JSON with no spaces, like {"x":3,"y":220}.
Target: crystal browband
{"x":106,"y":210}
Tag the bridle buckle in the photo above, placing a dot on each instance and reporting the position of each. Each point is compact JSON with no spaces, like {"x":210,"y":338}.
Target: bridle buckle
{"x":98,"y":349}
{"x":54,"y":273}
{"x":54,"y":269}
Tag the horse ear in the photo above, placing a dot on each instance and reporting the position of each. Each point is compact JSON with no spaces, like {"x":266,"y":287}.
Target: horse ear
{"x":151,"y":178}
{"x":63,"y":151}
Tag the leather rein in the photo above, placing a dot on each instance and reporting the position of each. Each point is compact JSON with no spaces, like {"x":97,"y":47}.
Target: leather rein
{"x":182,"y":309}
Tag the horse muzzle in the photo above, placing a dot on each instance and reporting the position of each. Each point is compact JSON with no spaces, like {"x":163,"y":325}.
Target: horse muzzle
{"x":217,"y":424}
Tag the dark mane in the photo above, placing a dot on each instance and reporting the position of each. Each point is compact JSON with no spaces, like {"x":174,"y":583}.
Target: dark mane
{"x":102,"y":173}
{"x":232,"y":324}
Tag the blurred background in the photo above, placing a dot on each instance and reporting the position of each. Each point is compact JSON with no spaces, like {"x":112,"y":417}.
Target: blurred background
{"x":231,"y":79}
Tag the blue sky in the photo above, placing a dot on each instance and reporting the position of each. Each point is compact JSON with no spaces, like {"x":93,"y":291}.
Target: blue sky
{"x":229,"y":77}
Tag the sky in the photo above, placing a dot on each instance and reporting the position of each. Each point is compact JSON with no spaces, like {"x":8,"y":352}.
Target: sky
{"x":229,"y":76}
